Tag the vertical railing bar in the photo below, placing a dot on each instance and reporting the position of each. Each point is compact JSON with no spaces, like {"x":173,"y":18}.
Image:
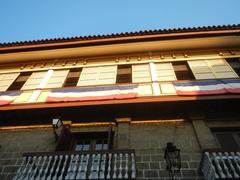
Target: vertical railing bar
{"x":219,"y":168}
{"x":29,"y":173}
{"x":235,"y":175}
{"x":109,"y":166}
{"x":220,"y":155}
{"x":47,"y":170}
{"x":51,"y":172}
{"x":120,"y":167}
{"x":126,"y":166}
{"x":19,"y":172}
{"x":41,"y":169}
{"x":119,"y":164}
{"x":36,"y":167}
{"x":133,"y":174}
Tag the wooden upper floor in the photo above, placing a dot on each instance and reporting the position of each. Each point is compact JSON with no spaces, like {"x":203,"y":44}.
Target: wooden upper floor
{"x":152,"y":61}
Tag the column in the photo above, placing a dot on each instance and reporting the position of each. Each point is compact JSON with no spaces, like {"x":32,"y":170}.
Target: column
{"x":203,"y":133}
{"x":123,"y":129}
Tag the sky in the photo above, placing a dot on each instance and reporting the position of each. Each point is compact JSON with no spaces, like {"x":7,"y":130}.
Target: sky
{"x":24,"y":20}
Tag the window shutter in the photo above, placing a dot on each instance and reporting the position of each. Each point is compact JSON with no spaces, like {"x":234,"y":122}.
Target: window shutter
{"x":6,"y":80}
{"x":165,"y":72}
{"x":211,"y":69}
{"x":88,"y":76}
{"x":141,"y":73}
{"x":201,"y":70}
{"x":34,"y":80}
{"x":57,"y":79}
{"x":65,"y":141}
{"x":107,"y":75}
{"x":221,"y":69}
{"x":98,"y":75}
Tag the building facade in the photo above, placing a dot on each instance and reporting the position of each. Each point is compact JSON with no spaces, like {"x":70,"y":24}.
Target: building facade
{"x":121,"y":98}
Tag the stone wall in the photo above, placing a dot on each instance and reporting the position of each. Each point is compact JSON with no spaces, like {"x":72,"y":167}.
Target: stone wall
{"x":15,"y":143}
{"x":148,"y":140}
{"x":151,"y":165}
{"x":155,"y":136}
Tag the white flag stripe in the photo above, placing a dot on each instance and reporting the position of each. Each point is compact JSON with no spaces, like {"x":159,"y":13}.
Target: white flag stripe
{"x":93,"y":93}
{"x":197,"y":88}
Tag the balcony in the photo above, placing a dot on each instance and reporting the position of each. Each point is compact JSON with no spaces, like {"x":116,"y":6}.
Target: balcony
{"x":114,"y":164}
{"x":220,"y":165}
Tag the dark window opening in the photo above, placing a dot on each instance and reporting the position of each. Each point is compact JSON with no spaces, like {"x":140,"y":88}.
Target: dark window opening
{"x":124,"y":74}
{"x":235,"y":64}
{"x":84,"y":141}
{"x":228,"y":140}
{"x":72,"y":77}
{"x":20,"y":81}
{"x":182,"y":70}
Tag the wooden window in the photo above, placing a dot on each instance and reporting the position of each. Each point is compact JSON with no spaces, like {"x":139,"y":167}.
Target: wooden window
{"x":34,"y":80}
{"x":84,"y":141}
{"x":165,"y":72}
{"x":72,"y":77}
{"x":19,"y":82}
{"x":182,"y":70}
{"x":211,"y":69}
{"x":124,"y":74}
{"x":228,"y":140}
{"x":235,"y":64}
{"x":141,"y":73}
{"x":98,"y":75}
{"x":57,"y":79}
{"x":6,"y":80}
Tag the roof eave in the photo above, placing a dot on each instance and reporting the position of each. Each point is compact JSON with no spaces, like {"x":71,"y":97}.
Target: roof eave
{"x":115,"y":40}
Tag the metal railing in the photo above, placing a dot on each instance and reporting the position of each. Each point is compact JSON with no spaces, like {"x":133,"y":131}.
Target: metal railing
{"x":220,"y":165}
{"x":115,"y":164}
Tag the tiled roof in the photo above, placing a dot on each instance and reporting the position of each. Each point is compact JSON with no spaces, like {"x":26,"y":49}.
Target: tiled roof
{"x":125,"y":34}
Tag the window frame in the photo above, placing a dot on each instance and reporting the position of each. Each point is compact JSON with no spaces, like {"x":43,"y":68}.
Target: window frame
{"x":120,"y":79}
{"x":234,"y":60}
{"x":68,"y":140}
{"x":187,"y":71}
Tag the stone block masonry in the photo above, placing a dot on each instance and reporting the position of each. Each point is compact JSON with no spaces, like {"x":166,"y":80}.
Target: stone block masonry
{"x":148,"y":141}
{"x":14,"y":143}
{"x":151,"y":165}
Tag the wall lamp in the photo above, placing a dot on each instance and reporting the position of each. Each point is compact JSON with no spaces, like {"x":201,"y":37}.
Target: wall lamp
{"x":56,"y":123}
{"x":173,"y":159}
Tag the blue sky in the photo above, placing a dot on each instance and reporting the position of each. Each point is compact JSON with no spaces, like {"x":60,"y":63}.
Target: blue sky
{"x":22,"y":20}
